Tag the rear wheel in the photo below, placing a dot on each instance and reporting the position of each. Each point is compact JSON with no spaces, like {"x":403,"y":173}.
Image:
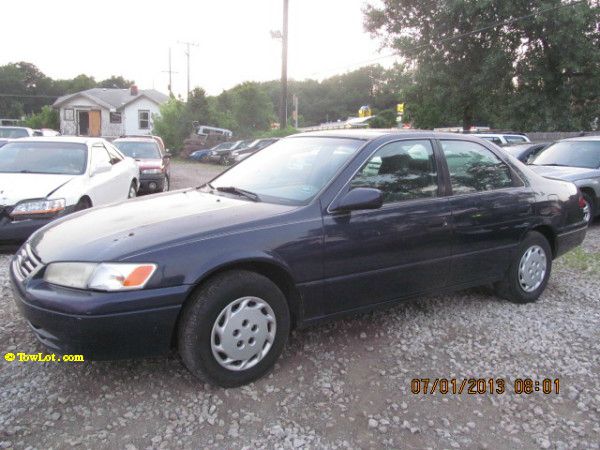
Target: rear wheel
{"x":589,"y":210}
{"x":234,"y":328}
{"x":528,"y":274}
{"x":132,"y":190}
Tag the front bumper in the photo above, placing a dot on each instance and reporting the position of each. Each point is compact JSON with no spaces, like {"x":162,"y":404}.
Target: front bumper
{"x":14,"y":232}
{"x":99,"y":325}
{"x":17,"y":231}
{"x":152,"y":183}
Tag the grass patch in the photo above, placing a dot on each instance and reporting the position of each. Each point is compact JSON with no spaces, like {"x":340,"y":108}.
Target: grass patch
{"x":582,"y":261}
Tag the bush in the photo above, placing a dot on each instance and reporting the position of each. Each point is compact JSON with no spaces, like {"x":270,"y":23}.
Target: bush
{"x":46,"y":118}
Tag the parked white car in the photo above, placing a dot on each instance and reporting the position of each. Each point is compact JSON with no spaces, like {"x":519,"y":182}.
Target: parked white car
{"x":42,"y":179}
{"x":503,"y":139}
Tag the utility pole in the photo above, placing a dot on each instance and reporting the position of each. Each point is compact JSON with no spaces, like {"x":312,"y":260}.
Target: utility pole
{"x":284,"y":48}
{"x":295,"y":102}
{"x":170,"y":72}
{"x":187,"y":53}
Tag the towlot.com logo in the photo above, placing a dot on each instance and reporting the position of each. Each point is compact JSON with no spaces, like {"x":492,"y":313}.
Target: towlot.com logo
{"x":41,"y":357}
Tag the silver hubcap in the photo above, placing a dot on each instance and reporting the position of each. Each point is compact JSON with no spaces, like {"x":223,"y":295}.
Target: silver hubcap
{"x":587,"y":211}
{"x":132,"y":192}
{"x":532,"y":268}
{"x":243,"y":333}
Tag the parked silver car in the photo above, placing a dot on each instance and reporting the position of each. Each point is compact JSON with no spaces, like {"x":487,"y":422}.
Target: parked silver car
{"x":576,"y":160}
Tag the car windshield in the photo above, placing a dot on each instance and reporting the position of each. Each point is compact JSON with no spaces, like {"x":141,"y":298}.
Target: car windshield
{"x":64,"y":158}
{"x":6,"y":132}
{"x":571,"y":153}
{"x":138,"y":150}
{"x":291,"y":171}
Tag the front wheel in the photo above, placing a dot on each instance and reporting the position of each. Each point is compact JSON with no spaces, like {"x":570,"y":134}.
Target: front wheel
{"x":589,"y":210}
{"x":528,"y":274}
{"x":132,"y":190}
{"x":233,"y":328}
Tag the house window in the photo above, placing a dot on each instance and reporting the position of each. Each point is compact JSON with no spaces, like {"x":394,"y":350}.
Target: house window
{"x":69,"y":114}
{"x":115,"y":117}
{"x":144,"y":119}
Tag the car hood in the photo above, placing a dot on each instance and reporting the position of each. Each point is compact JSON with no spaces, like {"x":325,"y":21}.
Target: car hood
{"x":15,"y":187}
{"x":149,"y":162}
{"x":565,"y":173}
{"x":116,"y":232}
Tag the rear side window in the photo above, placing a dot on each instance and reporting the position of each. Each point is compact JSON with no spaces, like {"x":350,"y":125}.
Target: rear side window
{"x":474,"y":168}
{"x":403,"y":170}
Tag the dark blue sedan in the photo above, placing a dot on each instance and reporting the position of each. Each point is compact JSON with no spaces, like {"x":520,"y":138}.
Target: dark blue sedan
{"x":314,"y":226}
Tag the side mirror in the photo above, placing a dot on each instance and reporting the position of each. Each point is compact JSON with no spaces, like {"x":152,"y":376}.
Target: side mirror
{"x":360,"y":198}
{"x":101,"y":168}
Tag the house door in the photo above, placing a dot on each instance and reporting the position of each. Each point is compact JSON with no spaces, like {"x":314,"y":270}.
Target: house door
{"x":95,"y":123}
{"x":83,"y":122}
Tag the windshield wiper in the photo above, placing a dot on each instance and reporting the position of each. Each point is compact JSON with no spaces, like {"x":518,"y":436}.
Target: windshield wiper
{"x":554,"y":165}
{"x":237,"y":191}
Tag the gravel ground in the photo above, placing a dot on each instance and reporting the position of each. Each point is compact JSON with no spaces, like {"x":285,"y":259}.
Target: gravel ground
{"x":341,"y":385}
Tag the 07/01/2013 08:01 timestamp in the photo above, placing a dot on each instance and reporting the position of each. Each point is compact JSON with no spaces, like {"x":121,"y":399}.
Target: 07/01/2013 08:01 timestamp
{"x":475,"y":386}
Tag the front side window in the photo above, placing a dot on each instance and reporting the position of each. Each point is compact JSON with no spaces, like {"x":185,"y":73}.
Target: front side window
{"x":291,"y":171}
{"x":100,"y":156}
{"x":144,"y":119}
{"x":403,"y":170}
{"x":474,"y":168}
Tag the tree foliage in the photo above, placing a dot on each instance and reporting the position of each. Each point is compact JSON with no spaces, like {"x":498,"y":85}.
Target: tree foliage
{"x":530,"y":64}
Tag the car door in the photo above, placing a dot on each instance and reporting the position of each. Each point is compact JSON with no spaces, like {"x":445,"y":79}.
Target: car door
{"x":374,"y":256}
{"x":101,"y":188}
{"x":122,"y":173}
{"x":491,"y":210}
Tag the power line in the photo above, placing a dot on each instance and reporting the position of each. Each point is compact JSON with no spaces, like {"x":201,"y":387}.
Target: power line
{"x":459,"y":36}
{"x":28,"y":96}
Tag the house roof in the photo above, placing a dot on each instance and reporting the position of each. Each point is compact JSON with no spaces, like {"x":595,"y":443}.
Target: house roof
{"x":113,"y":98}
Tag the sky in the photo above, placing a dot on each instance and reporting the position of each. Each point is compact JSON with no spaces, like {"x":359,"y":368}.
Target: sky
{"x":132,"y":38}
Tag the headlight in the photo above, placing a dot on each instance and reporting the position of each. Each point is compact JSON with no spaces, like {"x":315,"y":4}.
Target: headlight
{"x":101,"y":277}
{"x":39,"y":206}
{"x":152,"y":171}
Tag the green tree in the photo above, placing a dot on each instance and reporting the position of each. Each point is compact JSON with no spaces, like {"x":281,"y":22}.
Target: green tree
{"x":46,"y":118}
{"x":557,"y":79}
{"x":468,"y":72}
{"x":170,"y":126}
{"x":115,"y":82}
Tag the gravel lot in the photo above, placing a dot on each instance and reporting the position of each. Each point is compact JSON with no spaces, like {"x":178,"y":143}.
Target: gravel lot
{"x":341,"y":385}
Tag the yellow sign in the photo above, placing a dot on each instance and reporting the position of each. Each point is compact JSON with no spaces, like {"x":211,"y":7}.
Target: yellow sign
{"x":364,"y":111}
{"x":400,"y":108}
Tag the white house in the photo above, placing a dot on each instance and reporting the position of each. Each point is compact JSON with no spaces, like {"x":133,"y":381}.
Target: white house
{"x":109,"y":112}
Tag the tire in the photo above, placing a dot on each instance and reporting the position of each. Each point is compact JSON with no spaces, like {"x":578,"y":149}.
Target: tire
{"x":204,"y":322}
{"x":132,"y":190}
{"x":517,"y":286}
{"x":83,"y":203}
{"x":591,"y":205}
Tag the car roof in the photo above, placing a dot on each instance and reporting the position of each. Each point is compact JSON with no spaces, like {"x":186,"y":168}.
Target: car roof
{"x":71,"y":139}
{"x":373,"y":133}
{"x":583,"y":138}
{"x":136,"y":139}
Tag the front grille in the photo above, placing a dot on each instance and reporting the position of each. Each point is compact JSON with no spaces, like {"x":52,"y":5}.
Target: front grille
{"x":26,"y":264}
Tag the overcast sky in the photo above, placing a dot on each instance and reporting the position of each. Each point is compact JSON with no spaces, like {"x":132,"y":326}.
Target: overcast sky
{"x":132,"y":38}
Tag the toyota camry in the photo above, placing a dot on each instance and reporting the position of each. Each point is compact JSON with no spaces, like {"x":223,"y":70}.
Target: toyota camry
{"x":313,"y":227}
